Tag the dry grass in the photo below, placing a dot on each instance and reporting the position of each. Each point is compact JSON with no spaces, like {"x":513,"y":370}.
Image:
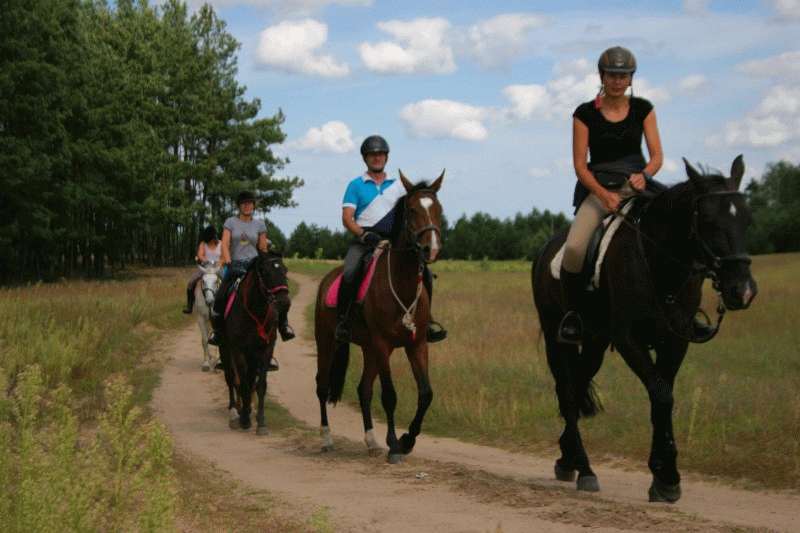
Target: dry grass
{"x":737,"y":411}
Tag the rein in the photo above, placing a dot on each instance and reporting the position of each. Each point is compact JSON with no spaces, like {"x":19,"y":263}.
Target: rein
{"x":707,"y":267}
{"x":269,"y":296}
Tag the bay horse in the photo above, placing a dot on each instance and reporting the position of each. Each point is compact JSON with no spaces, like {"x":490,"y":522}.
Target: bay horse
{"x":650,"y":289}
{"x":205,"y":292}
{"x":248,"y":338}
{"x":395,"y":313}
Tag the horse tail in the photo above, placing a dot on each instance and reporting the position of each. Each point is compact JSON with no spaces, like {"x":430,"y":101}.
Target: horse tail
{"x":338,"y":372}
{"x":590,"y":403}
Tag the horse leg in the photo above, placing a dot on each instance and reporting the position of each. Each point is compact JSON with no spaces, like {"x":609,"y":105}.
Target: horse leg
{"x":418,"y":357}
{"x":230,"y":381}
{"x":663,"y":464}
{"x":246,"y":396}
{"x":389,"y":401}
{"x":666,"y":480}
{"x":365,"y":388}
{"x":261,"y":390}
{"x":573,"y":376}
{"x":325,"y":351}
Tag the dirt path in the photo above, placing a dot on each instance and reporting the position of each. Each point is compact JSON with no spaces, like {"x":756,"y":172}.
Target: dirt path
{"x":444,"y":486}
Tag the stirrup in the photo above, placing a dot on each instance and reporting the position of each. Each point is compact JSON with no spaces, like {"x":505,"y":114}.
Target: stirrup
{"x":273,"y":366}
{"x":570,"y":330}
{"x":213,"y":339}
{"x":187,"y":310}
{"x":436,"y":332}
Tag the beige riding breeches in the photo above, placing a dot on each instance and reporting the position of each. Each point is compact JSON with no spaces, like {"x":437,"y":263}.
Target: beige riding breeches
{"x":590,"y":213}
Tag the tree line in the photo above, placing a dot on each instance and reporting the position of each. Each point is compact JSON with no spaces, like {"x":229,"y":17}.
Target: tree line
{"x":774,"y":200}
{"x":123,"y":132}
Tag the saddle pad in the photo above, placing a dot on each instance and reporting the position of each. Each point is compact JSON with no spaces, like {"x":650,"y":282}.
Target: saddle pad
{"x":611,"y":224}
{"x":332,"y":296}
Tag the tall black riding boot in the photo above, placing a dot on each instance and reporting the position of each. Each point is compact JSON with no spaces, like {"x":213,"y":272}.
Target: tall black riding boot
{"x":570,"y":330}
{"x":189,"y":301}
{"x":436,"y":331}
{"x":217,"y":325}
{"x":343,"y":305}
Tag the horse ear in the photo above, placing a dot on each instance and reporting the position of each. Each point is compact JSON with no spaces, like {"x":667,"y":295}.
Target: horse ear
{"x":438,"y":183}
{"x":737,"y":171}
{"x":407,"y":184}
{"x":694,"y":176}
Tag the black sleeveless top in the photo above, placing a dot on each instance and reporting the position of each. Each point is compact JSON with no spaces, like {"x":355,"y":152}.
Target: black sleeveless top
{"x":611,"y":141}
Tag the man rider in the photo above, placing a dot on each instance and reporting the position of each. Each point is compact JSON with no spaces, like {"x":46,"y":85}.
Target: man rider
{"x":367,"y":213}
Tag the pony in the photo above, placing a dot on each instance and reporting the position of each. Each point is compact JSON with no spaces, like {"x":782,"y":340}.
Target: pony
{"x":395,"y":313}
{"x":650,"y":290}
{"x":248,"y":338}
{"x":205,"y":292}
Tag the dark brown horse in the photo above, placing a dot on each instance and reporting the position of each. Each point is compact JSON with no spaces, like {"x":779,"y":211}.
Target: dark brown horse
{"x":649,"y":292}
{"x":248,"y":339}
{"x":395,"y":313}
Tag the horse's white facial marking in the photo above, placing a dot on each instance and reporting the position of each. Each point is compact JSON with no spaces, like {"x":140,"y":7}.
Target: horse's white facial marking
{"x":732,"y":210}
{"x":426,"y":203}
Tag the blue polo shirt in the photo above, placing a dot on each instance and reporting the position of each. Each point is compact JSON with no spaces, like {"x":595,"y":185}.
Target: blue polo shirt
{"x":374,"y":204}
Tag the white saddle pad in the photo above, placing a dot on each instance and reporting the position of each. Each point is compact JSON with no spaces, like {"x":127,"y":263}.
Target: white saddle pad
{"x":612,"y":223}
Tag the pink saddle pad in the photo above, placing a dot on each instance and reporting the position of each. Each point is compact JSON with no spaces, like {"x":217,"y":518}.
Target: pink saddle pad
{"x":332,"y":296}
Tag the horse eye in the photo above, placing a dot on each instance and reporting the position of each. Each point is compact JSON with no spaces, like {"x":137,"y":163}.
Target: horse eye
{"x":276,"y":265}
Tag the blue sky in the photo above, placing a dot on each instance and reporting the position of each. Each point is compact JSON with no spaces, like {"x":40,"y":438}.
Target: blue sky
{"x":486,"y":89}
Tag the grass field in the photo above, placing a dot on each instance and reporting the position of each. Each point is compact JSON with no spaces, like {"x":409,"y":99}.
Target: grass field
{"x":737,"y":409}
{"x":78,"y":449}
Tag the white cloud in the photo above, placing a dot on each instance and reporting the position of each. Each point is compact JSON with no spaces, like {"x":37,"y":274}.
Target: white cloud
{"x":445,"y":118}
{"x":574,"y":82}
{"x":781,"y":66}
{"x":789,"y":9}
{"x":332,"y":137}
{"x":419,"y":45}
{"x":497,"y":40}
{"x":774,"y":122}
{"x":694,"y":83}
{"x":538,"y":172}
{"x":286,"y":7}
{"x":292,"y":46}
{"x":696,"y":7}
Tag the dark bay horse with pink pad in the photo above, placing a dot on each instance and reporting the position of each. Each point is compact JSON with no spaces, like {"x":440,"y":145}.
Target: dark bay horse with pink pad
{"x":394,"y":314}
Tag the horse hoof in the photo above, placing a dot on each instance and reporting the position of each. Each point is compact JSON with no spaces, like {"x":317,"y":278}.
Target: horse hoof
{"x":327,"y":448}
{"x":233,"y":423}
{"x":205,"y":367}
{"x":374,"y":452}
{"x":396,"y":458}
{"x":262,"y":431}
{"x":588,"y":484}
{"x":661,"y":492}
{"x":564,"y":474}
{"x":407,"y":443}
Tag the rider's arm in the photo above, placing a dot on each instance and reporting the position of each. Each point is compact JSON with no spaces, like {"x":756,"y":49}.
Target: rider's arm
{"x":201,"y":253}
{"x":349,"y":221}
{"x":653,"y":141}
{"x":225,"y":256}
{"x":262,"y":242}
{"x":580,"y":151}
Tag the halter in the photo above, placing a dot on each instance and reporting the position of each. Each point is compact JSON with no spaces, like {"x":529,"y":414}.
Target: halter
{"x":414,"y":235}
{"x":269,"y":297}
{"x":713,"y":262}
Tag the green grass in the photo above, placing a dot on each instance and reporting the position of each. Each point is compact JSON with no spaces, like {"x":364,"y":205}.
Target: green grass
{"x":737,"y":411}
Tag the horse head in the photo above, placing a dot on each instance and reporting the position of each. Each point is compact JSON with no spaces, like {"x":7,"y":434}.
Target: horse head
{"x":272,"y":271}
{"x":422,"y":217}
{"x":210,"y":281}
{"x":720,"y":218}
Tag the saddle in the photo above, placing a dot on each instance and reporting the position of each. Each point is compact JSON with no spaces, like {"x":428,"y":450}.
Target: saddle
{"x":332,"y":295}
{"x":598,"y":245}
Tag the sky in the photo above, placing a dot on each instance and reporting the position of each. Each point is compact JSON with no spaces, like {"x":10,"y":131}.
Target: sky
{"x":486,"y":90}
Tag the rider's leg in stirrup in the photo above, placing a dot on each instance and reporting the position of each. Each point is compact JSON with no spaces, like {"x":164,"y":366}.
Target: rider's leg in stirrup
{"x":348,"y":289}
{"x":436,"y":332}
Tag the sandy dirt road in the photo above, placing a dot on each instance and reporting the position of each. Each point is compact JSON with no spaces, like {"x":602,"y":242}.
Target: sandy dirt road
{"x":444,"y":486}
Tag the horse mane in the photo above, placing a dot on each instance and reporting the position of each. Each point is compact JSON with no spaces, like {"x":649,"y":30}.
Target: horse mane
{"x":678,"y":197}
{"x":399,"y":211}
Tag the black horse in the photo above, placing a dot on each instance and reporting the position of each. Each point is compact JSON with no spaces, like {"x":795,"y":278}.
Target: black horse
{"x":248,"y":339}
{"x":650,"y":291}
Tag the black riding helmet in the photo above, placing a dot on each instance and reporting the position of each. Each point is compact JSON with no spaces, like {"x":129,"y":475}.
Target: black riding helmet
{"x":617,"y":60}
{"x":245,"y":196}
{"x":373,"y":144}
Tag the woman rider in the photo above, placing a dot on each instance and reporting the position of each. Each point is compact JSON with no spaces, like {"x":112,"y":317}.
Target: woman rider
{"x":207,"y":251}
{"x":242,"y":238}
{"x":609,"y":130}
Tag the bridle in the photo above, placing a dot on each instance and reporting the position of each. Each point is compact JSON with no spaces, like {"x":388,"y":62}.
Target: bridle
{"x":268,"y":293}
{"x":708,"y":266}
{"x":414,"y":235}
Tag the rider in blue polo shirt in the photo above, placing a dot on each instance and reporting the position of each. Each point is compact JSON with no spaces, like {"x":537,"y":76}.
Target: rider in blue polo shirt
{"x":367,"y":213}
